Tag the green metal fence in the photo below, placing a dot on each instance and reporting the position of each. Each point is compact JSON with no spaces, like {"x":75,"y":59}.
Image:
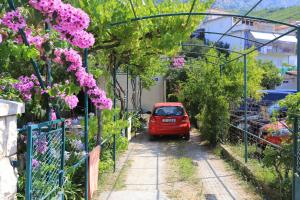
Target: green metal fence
{"x":45,"y":160}
{"x":296,"y":182}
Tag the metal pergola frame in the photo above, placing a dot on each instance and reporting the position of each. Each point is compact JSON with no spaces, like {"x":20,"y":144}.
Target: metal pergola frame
{"x":241,"y":56}
{"x":189,"y":15}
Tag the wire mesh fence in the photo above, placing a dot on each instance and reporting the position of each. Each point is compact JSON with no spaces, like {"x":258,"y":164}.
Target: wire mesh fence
{"x":257,"y":133}
{"x":45,"y":159}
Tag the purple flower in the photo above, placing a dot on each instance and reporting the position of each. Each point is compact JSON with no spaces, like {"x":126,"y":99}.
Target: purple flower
{"x":78,"y":145}
{"x":25,"y":85}
{"x":14,"y":20}
{"x":35,"y":163}
{"x":41,"y":145}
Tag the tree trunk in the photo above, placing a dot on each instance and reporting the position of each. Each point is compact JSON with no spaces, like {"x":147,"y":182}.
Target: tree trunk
{"x":133,"y":96}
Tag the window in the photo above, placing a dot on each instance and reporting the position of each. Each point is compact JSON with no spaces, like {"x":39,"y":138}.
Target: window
{"x":169,"y":111}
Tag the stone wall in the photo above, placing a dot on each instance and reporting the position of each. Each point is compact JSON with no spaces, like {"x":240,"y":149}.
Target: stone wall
{"x":8,"y":147}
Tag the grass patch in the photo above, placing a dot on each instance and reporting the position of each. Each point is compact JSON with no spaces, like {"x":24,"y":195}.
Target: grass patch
{"x":183,"y":179}
{"x":262,"y":173}
{"x":262,"y":178}
{"x":120,"y":182}
{"x":185,"y":168}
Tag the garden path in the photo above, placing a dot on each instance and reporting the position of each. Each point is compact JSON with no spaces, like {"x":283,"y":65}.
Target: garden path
{"x":146,"y":179}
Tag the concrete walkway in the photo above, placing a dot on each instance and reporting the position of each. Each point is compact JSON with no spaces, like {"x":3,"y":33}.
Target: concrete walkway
{"x":145,"y":178}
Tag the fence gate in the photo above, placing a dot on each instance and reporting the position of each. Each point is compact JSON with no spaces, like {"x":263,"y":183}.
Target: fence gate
{"x":45,"y":160}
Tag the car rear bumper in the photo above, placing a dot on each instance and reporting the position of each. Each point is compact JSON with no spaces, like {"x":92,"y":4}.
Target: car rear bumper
{"x":183,"y":129}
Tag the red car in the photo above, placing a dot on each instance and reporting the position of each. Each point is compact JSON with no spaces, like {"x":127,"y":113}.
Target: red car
{"x":275,"y":133}
{"x":169,"y":119}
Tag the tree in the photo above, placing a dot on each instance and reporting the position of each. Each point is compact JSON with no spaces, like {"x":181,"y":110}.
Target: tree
{"x":139,"y":45}
{"x":209,"y":95}
{"x":271,"y":75}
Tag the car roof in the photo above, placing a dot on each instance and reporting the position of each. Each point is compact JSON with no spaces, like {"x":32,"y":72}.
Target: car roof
{"x":167,"y":104}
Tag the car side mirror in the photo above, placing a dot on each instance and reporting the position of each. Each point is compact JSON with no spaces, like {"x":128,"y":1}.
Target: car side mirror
{"x":149,"y":112}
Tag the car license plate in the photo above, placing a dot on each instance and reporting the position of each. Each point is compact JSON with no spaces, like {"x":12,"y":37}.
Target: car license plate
{"x":169,"y":120}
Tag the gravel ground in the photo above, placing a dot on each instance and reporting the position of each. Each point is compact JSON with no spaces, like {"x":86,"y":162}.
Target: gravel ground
{"x":148,"y":177}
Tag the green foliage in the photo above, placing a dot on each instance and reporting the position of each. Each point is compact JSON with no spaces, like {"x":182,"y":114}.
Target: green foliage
{"x":281,"y":160}
{"x":15,"y":58}
{"x":280,"y":14}
{"x":72,"y":190}
{"x":140,"y":45}
{"x":209,"y":94}
{"x":271,"y":75}
{"x":292,"y":103}
{"x":136,"y":122}
{"x":7,"y":91}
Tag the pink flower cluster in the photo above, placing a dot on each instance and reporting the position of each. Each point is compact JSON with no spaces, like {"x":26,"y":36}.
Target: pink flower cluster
{"x":14,"y":20}
{"x":69,"y":57}
{"x":85,"y":80}
{"x":178,"y":62}
{"x":71,"y":101}
{"x":69,"y":21}
{"x":37,"y":41}
{"x":81,"y":39}
{"x":25,"y":86}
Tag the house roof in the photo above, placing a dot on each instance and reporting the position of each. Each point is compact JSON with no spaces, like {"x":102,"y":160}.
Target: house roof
{"x":272,"y":36}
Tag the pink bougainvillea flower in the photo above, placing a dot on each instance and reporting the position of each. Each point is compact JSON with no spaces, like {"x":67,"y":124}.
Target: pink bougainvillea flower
{"x":70,"y":56}
{"x":81,"y":39}
{"x":45,"y":6}
{"x":71,"y":19}
{"x":178,"y":62}
{"x":37,"y":41}
{"x":71,"y":101}
{"x":25,"y":86}
{"x":14,"y":20}
{"x":72,"y":59}
{"x":52,"y":115}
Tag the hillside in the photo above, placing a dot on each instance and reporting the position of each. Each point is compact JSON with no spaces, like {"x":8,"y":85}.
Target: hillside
{"x":281,"y":14}
{"x":243,"y":5}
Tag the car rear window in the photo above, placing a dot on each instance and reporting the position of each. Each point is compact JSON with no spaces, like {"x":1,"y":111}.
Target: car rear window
{"x":169,"y":111}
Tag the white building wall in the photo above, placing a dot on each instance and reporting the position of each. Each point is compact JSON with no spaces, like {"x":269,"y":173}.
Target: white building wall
{"x":221,"y":25}
{"x":277,"y":59}
{"x":155,"y":94}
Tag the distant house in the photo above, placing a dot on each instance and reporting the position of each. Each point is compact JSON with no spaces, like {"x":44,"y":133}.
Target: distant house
{"x":281,"y":52}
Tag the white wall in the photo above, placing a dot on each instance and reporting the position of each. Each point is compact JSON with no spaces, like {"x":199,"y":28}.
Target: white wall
{"x":8,"y":147}
{"x":156,"y":93}
{"x":277,"y":59}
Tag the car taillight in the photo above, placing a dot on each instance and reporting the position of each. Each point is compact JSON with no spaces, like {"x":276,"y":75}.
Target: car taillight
{"x":152,"y":119}
{"x":185,"y":119}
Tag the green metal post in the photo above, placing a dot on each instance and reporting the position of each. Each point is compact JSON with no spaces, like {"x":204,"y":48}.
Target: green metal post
{"x":86,"y":121}
{"x":296,"y":125}
{"x":62,"y":160}
{"x":49,"y":78}
{"x":115,"y":117}
{"x":127,"y":91}
{"x":127,"y":96}
{"x":246,"y":109}
{"x":29,"y":163}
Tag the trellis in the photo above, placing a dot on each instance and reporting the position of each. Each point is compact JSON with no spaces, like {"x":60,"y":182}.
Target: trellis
{"x":243,"y":56}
